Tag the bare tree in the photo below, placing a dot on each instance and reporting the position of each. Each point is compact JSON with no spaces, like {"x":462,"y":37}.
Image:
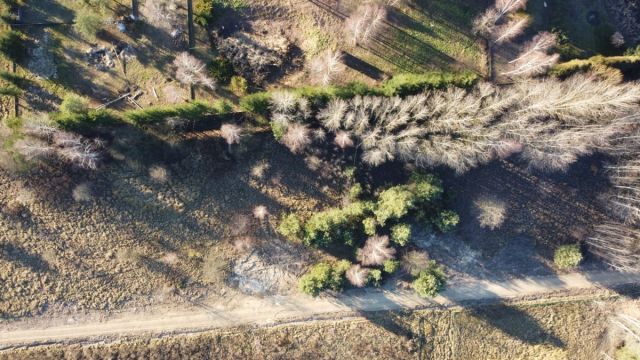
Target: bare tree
{"x":297,"y":137}
{"x":510,"y":30}
{"x":617,"y":39}
{"x":283,"y":102}
{"x":231,"y":134}
{"x":191,"y":71}
{"x":550,"y":122}
{"x":542,"y":42}
{"x":534,"y":59}
{"x":491,"y":212}
{"x":357,"y":275}
{"x":343,"y":140}
{"x":494,"y":24}
{"x":376,"y":251}
{"x":260,"y":212}
{"x":618,"y":245}
{"x":365,"y":23}
{"x":536,"y":63}
{"x":43,"y":140}
{"x":625,"y":177}
{"x":326,"y":66}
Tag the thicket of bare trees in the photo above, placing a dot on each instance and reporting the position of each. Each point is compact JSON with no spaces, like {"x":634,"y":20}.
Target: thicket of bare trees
{"x":625,"y":177}
{"x":365,"y":23}
{"x":326,"y":66}
{"x":617,"y":244}
{"x":535,"y":57}
{"x":191,"y":71}
{"x":550,"y":122}
{"x":498,"y":25}
{"x":42,"y":141}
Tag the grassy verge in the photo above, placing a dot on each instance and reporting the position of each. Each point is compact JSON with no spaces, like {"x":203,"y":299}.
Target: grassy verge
{"x":567,"y":330}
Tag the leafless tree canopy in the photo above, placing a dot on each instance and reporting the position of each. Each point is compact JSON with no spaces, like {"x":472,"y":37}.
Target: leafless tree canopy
{"x":618,"y":245}
{"x":534,"y":59}
{"x":365,"y":23}
{"x":490,"y":212}
{"x":357,"y":275}
{"x":326,"y":67}
{"x":497,"y":23}
{"x":625,"y":177}
{"x":191,"y":71}
{"x":376,"y":251}
{"x":550,"y":122}
{"x":231,"y":133}
{"x":297,"y":137}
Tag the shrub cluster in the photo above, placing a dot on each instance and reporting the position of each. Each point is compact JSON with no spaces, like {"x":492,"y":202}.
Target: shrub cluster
{"x":323,"y":276}
{"x":344,"y":224}
{"x":350,"y":224}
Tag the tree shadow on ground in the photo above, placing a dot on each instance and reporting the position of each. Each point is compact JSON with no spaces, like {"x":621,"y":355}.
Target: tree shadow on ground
{"x":32,"y":261}
{"x":516,"y":323}
{"x":363,"y":67}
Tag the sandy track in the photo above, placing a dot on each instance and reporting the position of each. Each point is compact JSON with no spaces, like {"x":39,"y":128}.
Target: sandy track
{"x":271,"y":310}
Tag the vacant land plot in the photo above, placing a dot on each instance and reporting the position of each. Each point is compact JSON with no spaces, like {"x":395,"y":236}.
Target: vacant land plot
{"x":563,"y":330}
{"x":164,"y":219}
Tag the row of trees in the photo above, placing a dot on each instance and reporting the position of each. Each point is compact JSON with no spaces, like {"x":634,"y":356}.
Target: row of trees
{"x":550,"y":122}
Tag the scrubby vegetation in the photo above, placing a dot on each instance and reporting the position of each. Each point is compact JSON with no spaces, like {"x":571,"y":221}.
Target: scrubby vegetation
{"x":567,"y":256}
{"x":264,"y":147}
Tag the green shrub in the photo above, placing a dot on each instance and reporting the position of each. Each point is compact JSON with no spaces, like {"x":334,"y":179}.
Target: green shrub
{"x":12,"y":45}
{"x":369,"y":225}
{"x":290,"y":227}
{"x":391,"y":266}
{"x":85,"y":122}
{"x":221,"y":69}
{"x":430,"y":281}
{"x":322,"y":276}
{"x":191,"y":111}
{"x":375,"y":277}
{"x":257,"y":103}
{"x":400,"y":234}
{"x":393,"y":203}
{"x":278,"y":130}
{"x":74,"y":104}
{"x":355,"y":191}
{"x":426,"y":187}
{"x":446,"y":221}
{"x":336,"y":224}
{"x":239,"y":85}
{"x":410,"y":84}
{"x":88,"y":23}
{"x":202,"y":12}
{"x":567,"y":256}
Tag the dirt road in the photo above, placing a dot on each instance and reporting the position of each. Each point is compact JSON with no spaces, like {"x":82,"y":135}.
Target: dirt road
{"x":271,"y":310}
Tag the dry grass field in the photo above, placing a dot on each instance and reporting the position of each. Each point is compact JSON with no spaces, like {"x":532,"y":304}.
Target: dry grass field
{"x":554,"y":331}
